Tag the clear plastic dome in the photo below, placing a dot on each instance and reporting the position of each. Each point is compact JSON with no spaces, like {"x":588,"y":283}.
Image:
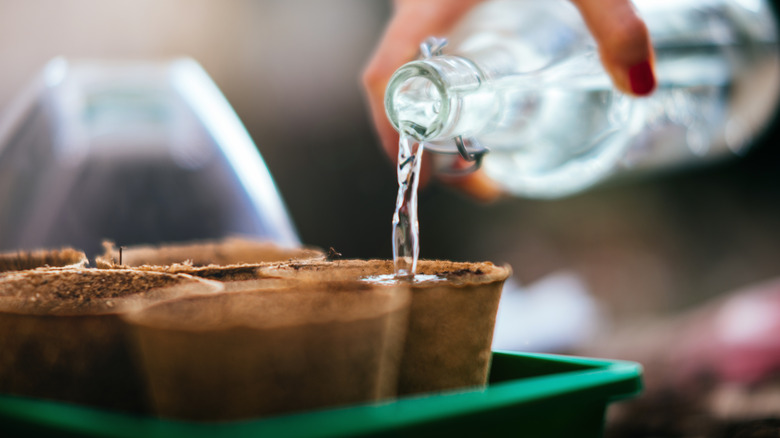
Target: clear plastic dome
{"x":135,"y":152}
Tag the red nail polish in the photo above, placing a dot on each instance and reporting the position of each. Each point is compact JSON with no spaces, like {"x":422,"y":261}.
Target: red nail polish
{"x":641,"y":78}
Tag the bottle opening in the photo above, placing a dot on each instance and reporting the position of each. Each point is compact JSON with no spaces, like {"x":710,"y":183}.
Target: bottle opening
{"x":414,"y":103}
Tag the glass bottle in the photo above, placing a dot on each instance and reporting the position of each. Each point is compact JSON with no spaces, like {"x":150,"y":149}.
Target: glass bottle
{"x":522,"y":79}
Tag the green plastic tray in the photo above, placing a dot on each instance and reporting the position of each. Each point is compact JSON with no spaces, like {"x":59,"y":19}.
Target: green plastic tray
{"x":533,"y":395}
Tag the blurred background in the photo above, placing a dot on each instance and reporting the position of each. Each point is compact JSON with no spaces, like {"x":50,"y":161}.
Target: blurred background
{"x":618,"y":254}
{"x":291,"y":70}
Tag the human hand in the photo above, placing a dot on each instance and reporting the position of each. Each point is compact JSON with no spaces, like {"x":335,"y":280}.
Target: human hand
{"x":621,"y":35}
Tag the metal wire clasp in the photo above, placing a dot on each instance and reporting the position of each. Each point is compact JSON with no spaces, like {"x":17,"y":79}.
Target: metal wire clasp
{"x":467,"y":152}
{"x":432,"y":46}
{"x":468,"y":149}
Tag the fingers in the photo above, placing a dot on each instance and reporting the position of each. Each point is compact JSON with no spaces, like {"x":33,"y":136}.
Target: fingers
{"x":476,"y":185}
{"x":621,"y":35}
{"x":623,"y":41}
{"x":412,"y":22}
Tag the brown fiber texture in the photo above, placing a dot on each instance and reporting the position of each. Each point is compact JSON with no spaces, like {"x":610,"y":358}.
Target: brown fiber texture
{"x":451,"y":319}
{"x":62,"y":337}
{"x":248,"y":354}
{"x":228,"y":251}
{"x":23,"y":260}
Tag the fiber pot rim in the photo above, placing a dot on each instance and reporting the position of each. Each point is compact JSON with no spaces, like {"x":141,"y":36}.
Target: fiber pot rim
{"x":33,"y":301}
{"x":237,"y":310}
{"x":452,"y":274}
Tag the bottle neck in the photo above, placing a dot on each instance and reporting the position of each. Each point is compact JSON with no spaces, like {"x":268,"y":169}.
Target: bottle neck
{"x":439,"y":98}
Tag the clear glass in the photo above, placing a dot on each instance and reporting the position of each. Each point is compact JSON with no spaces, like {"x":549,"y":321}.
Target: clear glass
{"x":136,"y":152}
{"x":523,"y":78}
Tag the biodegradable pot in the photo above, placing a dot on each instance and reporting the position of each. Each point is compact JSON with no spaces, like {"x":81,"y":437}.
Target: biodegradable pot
{"x":62,"y":337}
{"x":247,"y":354}
{"x":23,"y":260}
{"x":228,"y":251}
{"x":451,"y":318}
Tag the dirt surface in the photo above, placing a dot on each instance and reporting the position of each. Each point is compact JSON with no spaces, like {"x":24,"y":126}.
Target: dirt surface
{"x":75,"y":289}
{"x":461,"y":272}
{"x":210,"y":272}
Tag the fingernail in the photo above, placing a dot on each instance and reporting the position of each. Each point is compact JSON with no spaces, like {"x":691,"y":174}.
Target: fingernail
{"x":641,"y":78}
